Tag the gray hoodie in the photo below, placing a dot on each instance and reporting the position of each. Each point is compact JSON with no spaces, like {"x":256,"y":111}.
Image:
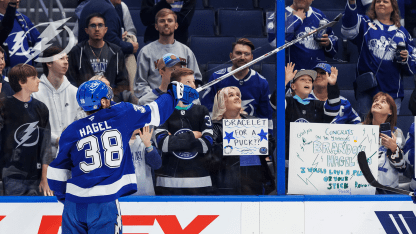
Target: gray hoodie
{"x":62,"y":105}
{"x":148,"y":76}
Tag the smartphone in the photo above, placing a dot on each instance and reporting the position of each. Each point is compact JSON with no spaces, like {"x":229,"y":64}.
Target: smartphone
{"x":385,"y":128}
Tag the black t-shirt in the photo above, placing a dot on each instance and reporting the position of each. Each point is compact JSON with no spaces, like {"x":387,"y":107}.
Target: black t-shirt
{"x":25,"y":138}
{"x":98,"y":58}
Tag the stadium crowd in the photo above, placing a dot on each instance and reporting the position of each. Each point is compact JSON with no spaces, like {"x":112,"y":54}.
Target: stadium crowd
{"x":184,"y":155}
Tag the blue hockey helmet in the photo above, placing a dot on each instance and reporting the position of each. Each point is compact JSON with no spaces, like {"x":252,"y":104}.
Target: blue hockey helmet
{"x":89,"y":94}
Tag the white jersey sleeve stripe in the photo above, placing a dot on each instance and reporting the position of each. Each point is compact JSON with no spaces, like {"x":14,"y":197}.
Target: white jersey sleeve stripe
{"x":155,"y":118}
{"x":208,"y":131}
{"x":101,"y":190}
{"x":58,"y":174}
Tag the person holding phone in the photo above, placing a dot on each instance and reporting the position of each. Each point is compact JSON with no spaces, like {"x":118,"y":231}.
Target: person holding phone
{"x":383,"y":113}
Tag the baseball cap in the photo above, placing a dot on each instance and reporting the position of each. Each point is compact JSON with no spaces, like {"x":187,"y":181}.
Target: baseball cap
{"x":169,"y":60}
{"x":324,"y":66}
{"x":302,"y":72}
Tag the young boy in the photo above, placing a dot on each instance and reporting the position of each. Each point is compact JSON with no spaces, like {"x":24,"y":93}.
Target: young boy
{"x":26,"y":136}
{"x":184,"y":139}
{"x":94,"y":163}
{"x":304,"y":109}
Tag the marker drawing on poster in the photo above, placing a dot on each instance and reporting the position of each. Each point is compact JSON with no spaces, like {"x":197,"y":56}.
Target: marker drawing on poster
{"x":323,"y":158}
{"x":245,"y":137}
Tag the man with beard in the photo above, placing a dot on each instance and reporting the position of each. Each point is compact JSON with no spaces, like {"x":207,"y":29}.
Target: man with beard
{"x":301,"y":19}
{"x":253,"y":86}
{"x":147,"y":76}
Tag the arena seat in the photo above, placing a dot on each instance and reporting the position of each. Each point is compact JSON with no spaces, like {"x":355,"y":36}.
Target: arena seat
{"x":267,"y":4}
{"x":409,"y":82}
{"x":268,"y":70}
{"x":404,"y":109}
{"x":201,"y":4}
{"x":346,"y":75}
{"x":236,"y":4}
{"x":140,"y":40}
{"x":203,"y":23}
{"x":135,"y":16}
{"x":261,"y":47}
{"x":404,"y":122}
{"x":251,"y":20}
{"x":133,"y":3}
{"x":211,"y":49}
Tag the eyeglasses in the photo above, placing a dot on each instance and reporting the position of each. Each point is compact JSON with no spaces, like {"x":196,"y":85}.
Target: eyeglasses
{"x":94,"y":26}
{"x":241,"y":53}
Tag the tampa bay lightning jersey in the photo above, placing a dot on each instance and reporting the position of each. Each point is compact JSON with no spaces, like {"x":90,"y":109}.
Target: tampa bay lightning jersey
{"x":377,"y":44}
{"x":254,"y":90}
{"x":307,"y":53}
{"x":346,"y":114}
{"x":94,"y":162}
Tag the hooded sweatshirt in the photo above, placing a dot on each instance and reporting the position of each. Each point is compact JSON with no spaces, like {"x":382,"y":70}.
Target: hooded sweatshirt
{"x":62,"y":105}
{"x":80,"y":68}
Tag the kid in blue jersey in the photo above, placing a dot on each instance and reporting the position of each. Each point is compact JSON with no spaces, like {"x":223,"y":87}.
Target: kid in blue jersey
{"x":94,"y":163}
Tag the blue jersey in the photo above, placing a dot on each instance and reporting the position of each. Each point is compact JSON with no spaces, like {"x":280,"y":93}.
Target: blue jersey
{"x":307,"y":53}
{"x":346,"y":114}
{"x":377,"y":44}
{"x":254,"y":90}
{"x":94,"y":162}
{"x":23,"y":38}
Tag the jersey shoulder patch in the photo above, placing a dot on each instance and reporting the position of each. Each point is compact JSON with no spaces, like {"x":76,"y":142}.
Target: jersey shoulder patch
{"x":222,"y":71}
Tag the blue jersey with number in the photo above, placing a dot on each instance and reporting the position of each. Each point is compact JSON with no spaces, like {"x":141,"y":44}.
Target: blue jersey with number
{"x":94,"y":162}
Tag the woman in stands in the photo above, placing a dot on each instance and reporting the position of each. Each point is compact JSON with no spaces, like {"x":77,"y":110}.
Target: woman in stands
{"x":236,"y":175}
{"x":386,"y":51}
{"x":390,"y":157}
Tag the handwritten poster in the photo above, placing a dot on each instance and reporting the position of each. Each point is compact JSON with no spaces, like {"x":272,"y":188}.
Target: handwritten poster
{"x":323,"y":158}
{"x":245,"y":137}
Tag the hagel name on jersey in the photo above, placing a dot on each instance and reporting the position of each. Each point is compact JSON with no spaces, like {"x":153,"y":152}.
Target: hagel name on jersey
{"x":93,"y":128}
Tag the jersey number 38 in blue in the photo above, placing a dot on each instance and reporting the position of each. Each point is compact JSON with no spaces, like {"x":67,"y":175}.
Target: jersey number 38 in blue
{"x":111,"y":143}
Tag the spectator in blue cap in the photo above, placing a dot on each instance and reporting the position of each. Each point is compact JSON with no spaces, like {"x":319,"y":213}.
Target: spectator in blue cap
{"x":346,"y":114}
{"x":166,"y":65}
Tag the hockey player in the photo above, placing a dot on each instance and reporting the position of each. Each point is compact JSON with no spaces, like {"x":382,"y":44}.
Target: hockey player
{"x":184,"y":139}
{"x":94,"y":163}
{"x":26,"y":136}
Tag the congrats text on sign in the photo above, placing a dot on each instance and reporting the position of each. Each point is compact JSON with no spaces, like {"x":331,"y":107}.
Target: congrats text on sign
{"x":245,"y":137}
{"x":323,"y":158}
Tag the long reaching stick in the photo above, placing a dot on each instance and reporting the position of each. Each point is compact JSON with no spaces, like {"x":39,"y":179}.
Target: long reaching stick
{"x":330,"y":24}
{"x":362,"y":162}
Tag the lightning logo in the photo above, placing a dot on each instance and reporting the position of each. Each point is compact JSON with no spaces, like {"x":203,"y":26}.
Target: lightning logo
{"x":27,"y":134}
{"x":47,"y":35}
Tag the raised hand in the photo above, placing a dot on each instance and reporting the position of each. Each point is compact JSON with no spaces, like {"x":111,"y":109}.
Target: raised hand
{"x":289,"y":73}
{"x":146,"y":135}
{"x":332,"y":79}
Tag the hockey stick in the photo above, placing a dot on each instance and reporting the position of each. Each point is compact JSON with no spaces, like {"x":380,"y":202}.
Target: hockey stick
{"x":362,"y":162}
{"x":330,"y":24}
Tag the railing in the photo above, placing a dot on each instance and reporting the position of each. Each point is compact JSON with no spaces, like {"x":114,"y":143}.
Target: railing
{"x":49,"y":14}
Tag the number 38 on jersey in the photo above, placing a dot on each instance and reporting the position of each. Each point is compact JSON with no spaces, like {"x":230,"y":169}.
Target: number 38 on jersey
{"x":112,"y":145}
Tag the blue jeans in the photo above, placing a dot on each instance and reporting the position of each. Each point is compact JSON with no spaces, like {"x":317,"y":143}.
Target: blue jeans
{"x":16,"y":187}
{"x":365,"y":100}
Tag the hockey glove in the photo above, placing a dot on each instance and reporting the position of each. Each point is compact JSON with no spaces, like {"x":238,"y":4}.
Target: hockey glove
{"x":396,"y":159}
{"x":182,"y":92}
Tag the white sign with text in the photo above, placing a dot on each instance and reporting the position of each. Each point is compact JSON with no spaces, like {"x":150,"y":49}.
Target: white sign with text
{"x":323,"y":158}
{"x":245,"y":137}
